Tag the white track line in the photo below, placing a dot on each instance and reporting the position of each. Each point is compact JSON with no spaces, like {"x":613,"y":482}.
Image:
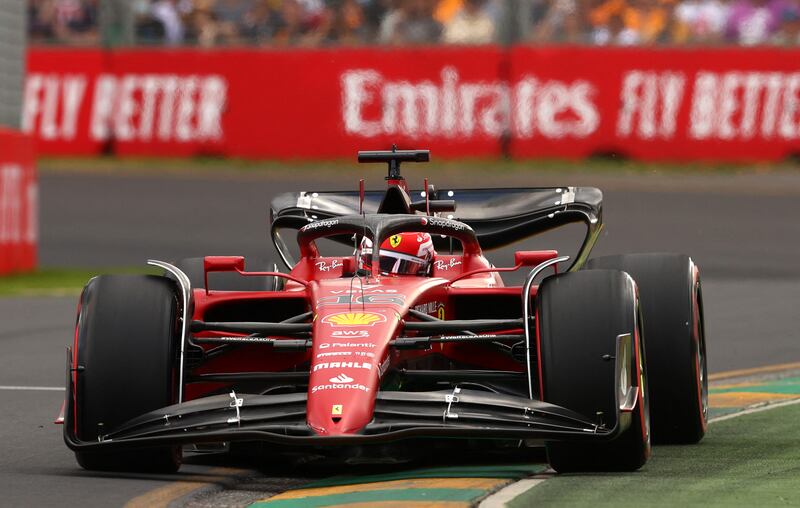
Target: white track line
{"x":505,"y":495}
{"x":755,"y":409}
{"x":34,"y":388}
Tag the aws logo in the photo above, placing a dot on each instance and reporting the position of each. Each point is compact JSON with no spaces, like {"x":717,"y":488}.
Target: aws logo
{"x":354,"y":319}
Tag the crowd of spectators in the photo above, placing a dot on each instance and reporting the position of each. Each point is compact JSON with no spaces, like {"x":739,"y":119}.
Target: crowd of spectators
{"x":315,"y":23}
{"x":643,"y":22}
{"x":67,"y":21}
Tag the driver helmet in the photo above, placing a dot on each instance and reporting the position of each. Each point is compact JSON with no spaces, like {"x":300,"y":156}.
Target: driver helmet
{"x":401,"y":254}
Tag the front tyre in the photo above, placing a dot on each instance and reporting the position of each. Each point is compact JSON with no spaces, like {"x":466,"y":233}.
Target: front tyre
{"x":578,"y":319}
{"x":126,"y":346}
{"x":672,"y":306}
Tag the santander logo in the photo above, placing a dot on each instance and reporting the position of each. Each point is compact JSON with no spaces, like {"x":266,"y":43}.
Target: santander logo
{"x":341,"y":378}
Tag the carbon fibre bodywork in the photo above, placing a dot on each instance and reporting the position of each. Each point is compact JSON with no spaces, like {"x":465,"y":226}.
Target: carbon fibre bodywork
{"x":499,"y":217}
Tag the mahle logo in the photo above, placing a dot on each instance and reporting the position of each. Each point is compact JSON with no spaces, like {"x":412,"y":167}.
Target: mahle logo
{"x":354,"y":319}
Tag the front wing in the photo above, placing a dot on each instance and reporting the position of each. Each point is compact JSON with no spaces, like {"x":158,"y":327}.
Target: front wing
{"x":457,"y":413}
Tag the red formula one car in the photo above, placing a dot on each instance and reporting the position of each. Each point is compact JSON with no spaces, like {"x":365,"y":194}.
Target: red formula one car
{"x":409,"y":334}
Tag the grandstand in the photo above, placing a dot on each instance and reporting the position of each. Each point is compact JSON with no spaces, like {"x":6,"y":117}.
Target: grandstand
{"x":655,"y":80}
{"x":314,"y":23}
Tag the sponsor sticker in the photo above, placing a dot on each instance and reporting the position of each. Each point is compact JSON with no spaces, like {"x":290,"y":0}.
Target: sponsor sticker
{"x":334,"y":353}
{"x":432,"y":308}
{"x":328,"y":345}
{"x":351,"y":333}
{"x":427,"y":308}
{"x":329,"y":354}
{"x":342,"y":365}
{"x":341,"y":378}
{"x":350,"y":299}
{"x":354,"y":319}
{"x":336,"y":410}
{"x":328,"y":223}
{"x":444,"y":223}
{"x":366,"y":289}
{"x":236,"y":338}
{"x":446,"y":265}
{"x":324,"y":266}
{"x":337,"y":385}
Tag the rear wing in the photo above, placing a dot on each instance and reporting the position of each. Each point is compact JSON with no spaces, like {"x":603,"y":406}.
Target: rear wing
{"x":499,"y":217}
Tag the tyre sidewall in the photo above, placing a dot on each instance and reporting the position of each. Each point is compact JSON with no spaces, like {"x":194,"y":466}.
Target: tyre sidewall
{"x":127,"y":357}
{"x":671,"y":300}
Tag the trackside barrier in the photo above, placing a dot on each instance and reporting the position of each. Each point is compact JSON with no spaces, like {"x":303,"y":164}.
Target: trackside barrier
{"x":724,"y":104}
{"x":18,"y":203}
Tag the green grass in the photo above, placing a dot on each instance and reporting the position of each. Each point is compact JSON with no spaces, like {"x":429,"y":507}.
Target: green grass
{"x":752,"y":460}
{"x":58,"y":281}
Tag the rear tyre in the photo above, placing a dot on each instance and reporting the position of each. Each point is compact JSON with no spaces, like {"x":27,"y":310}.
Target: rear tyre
{"x":127,"y":345}
{"x":227,"y":281}
{"x":578,"y":318}
{"x":672,"y":306}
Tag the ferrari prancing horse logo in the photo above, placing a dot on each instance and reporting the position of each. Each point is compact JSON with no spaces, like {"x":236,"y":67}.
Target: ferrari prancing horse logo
{"x":336,"y":410}
{"x":395,"y":240}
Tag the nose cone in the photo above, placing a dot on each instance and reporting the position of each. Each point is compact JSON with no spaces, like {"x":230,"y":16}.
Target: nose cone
{"x":348,"y":350}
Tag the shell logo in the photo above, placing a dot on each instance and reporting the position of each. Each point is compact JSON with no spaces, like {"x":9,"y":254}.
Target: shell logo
{"x":354,"y":319}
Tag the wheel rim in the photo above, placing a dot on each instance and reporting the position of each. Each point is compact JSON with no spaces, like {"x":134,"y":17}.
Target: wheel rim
{"x":700,"y":346}
{"x":643,"y":377}
{"x":645,"y":398}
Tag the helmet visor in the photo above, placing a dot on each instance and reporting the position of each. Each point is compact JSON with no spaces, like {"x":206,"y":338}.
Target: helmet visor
{"x":401,"y":264}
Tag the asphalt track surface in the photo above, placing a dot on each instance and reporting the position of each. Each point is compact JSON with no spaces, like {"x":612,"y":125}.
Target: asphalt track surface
{"x":742,"y":231}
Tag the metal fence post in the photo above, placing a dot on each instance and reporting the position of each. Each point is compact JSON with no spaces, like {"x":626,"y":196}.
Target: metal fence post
{"x":116,"y":23}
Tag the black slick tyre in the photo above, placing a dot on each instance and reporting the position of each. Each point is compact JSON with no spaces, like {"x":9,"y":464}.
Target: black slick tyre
{"x":127,"y":342}
{"x":578,"y":319}
{"x":672,"y":309}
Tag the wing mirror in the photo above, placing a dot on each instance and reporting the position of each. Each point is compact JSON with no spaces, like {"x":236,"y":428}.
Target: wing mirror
{"x":533,"y":257}
{"x":223,"y":264}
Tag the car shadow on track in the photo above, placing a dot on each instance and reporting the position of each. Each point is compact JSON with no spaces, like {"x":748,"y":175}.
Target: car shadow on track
{"x":403,"y":459}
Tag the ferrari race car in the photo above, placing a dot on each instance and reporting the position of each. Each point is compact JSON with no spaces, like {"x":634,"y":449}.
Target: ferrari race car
{"x":409,"y":335}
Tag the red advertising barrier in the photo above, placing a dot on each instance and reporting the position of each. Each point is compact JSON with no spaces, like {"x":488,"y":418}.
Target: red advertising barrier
{"x":18,"y":203}
{"x":729,"y":104}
